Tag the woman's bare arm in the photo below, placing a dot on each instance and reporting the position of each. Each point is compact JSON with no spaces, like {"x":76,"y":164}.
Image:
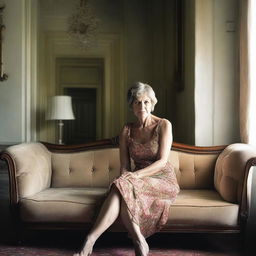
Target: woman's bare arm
{"x":124,"y":152}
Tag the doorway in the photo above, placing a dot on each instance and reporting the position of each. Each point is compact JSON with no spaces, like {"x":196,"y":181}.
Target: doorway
{"x":82,"y":79}
{"x":83,"y":128}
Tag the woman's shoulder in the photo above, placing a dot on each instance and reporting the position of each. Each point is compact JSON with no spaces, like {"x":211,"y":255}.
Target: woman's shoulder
{"x":127,"y":126}
{"x":165,"y":121}
{"x":164,"y":124}
{"x":162,"y":121}
{"x":126,"y":129}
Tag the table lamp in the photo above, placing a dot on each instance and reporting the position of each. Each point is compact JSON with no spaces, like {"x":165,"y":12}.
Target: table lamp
{"x":60,"y":108}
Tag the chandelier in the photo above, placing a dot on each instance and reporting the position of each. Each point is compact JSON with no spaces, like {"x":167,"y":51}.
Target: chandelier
{"x":82,"y":25}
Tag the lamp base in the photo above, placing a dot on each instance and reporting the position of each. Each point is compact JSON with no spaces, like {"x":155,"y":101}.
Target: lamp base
{"x":60,"y":140}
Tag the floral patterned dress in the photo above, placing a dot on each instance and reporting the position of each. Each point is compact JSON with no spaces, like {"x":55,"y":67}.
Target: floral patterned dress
{"x":149,"y":198}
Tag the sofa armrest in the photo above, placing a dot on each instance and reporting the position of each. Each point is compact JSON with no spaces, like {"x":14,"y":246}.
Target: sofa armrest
{"x":29,"y":166}
{"x":251,"y":192}
{"x":231,"y":172}
{"x":251,"y":207}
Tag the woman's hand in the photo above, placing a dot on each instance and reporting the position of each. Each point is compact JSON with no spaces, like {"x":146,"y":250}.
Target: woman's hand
{"x":128,"y":175}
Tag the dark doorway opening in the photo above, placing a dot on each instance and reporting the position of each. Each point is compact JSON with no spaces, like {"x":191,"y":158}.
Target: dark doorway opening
{"x":83,"y":128}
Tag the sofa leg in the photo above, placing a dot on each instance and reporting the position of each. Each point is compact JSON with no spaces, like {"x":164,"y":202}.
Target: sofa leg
{"x":19,"y":232}
{"x":19,"y":236}
{"x":249,"y":244}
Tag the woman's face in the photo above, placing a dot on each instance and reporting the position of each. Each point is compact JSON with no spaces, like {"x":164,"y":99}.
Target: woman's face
{"x":142,"y":106}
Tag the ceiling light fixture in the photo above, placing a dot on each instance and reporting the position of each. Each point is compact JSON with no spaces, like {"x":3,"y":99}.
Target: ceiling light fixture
{"x":83,"y":25}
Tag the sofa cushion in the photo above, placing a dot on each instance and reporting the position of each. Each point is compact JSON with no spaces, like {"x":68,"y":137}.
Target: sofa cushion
{"x":81,"y":205}
{"x":62,"y":205}
{"x":202,"y":208}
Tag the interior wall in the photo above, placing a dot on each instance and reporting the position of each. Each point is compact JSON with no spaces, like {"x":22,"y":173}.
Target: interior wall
{"x":150,"y":33}
{"x":19,"y":49}
{"x":216,"y":90}
{"x":11,"y":111}
{"x":184,"y":99}
{"x":226,"y":89}
{"x":204,"y":72}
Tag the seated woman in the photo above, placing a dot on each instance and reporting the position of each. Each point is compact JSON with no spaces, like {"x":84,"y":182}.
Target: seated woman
{"x":143,"y":196}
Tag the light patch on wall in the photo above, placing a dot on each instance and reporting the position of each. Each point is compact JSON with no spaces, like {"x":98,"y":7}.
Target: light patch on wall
{"x":252,"y":73}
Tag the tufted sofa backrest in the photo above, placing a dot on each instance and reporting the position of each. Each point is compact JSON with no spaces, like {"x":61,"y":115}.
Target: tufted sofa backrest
{"x":98,"y":168}
{"x":94,"y":168}
{"x":194,"y":171}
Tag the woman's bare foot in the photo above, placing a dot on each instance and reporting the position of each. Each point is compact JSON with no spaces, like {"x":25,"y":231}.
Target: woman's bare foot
{"x":87,"y":248}
{"x":141,"y":247}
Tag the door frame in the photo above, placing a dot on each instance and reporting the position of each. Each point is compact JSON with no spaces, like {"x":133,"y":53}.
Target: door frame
{"x":85,"y":62}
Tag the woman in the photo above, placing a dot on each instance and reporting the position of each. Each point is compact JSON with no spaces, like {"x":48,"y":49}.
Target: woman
{"x":141,"y":196}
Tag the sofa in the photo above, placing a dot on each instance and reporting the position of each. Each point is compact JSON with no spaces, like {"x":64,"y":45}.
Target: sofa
{"x":63,"y":186}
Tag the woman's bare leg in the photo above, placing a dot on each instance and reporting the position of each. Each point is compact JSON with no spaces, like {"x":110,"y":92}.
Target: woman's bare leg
{"x":141,"y":246}
{"x":108,"y":214}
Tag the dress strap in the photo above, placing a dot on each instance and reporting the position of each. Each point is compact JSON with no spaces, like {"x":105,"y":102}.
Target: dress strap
{"x":128,"y":130}
{"x":158,"y":125}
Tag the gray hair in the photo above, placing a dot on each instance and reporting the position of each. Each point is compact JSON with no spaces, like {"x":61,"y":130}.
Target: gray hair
{"x":140,"y":89}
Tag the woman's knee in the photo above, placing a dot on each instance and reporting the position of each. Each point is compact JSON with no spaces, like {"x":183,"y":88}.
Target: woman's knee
{"x":114,"y":193}
{"x":114,"y":190}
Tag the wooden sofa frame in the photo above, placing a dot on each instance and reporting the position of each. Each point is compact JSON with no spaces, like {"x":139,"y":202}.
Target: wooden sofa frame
{"x":247,"y":209}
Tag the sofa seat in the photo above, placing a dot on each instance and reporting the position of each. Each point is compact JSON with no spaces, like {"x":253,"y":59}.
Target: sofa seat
{"x":202,"y":208}
{"x":80,"y":205}
{"x":77,"y":205}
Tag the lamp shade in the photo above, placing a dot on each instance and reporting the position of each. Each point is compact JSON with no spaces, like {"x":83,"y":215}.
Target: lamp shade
{"x":60,"y":108}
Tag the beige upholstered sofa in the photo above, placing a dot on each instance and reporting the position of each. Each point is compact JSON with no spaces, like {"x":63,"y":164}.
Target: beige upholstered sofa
{"x":56,"y":186}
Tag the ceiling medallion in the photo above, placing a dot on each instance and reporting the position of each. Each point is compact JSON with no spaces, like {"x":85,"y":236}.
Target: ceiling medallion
{"x":83,"y":25}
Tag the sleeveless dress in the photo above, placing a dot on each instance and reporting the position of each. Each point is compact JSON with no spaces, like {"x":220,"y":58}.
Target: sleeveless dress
{"x":148,"y":199}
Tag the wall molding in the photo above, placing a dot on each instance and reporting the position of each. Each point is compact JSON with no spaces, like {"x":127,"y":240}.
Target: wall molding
{"x":29,"y":69}
{"x":204,"y":74}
